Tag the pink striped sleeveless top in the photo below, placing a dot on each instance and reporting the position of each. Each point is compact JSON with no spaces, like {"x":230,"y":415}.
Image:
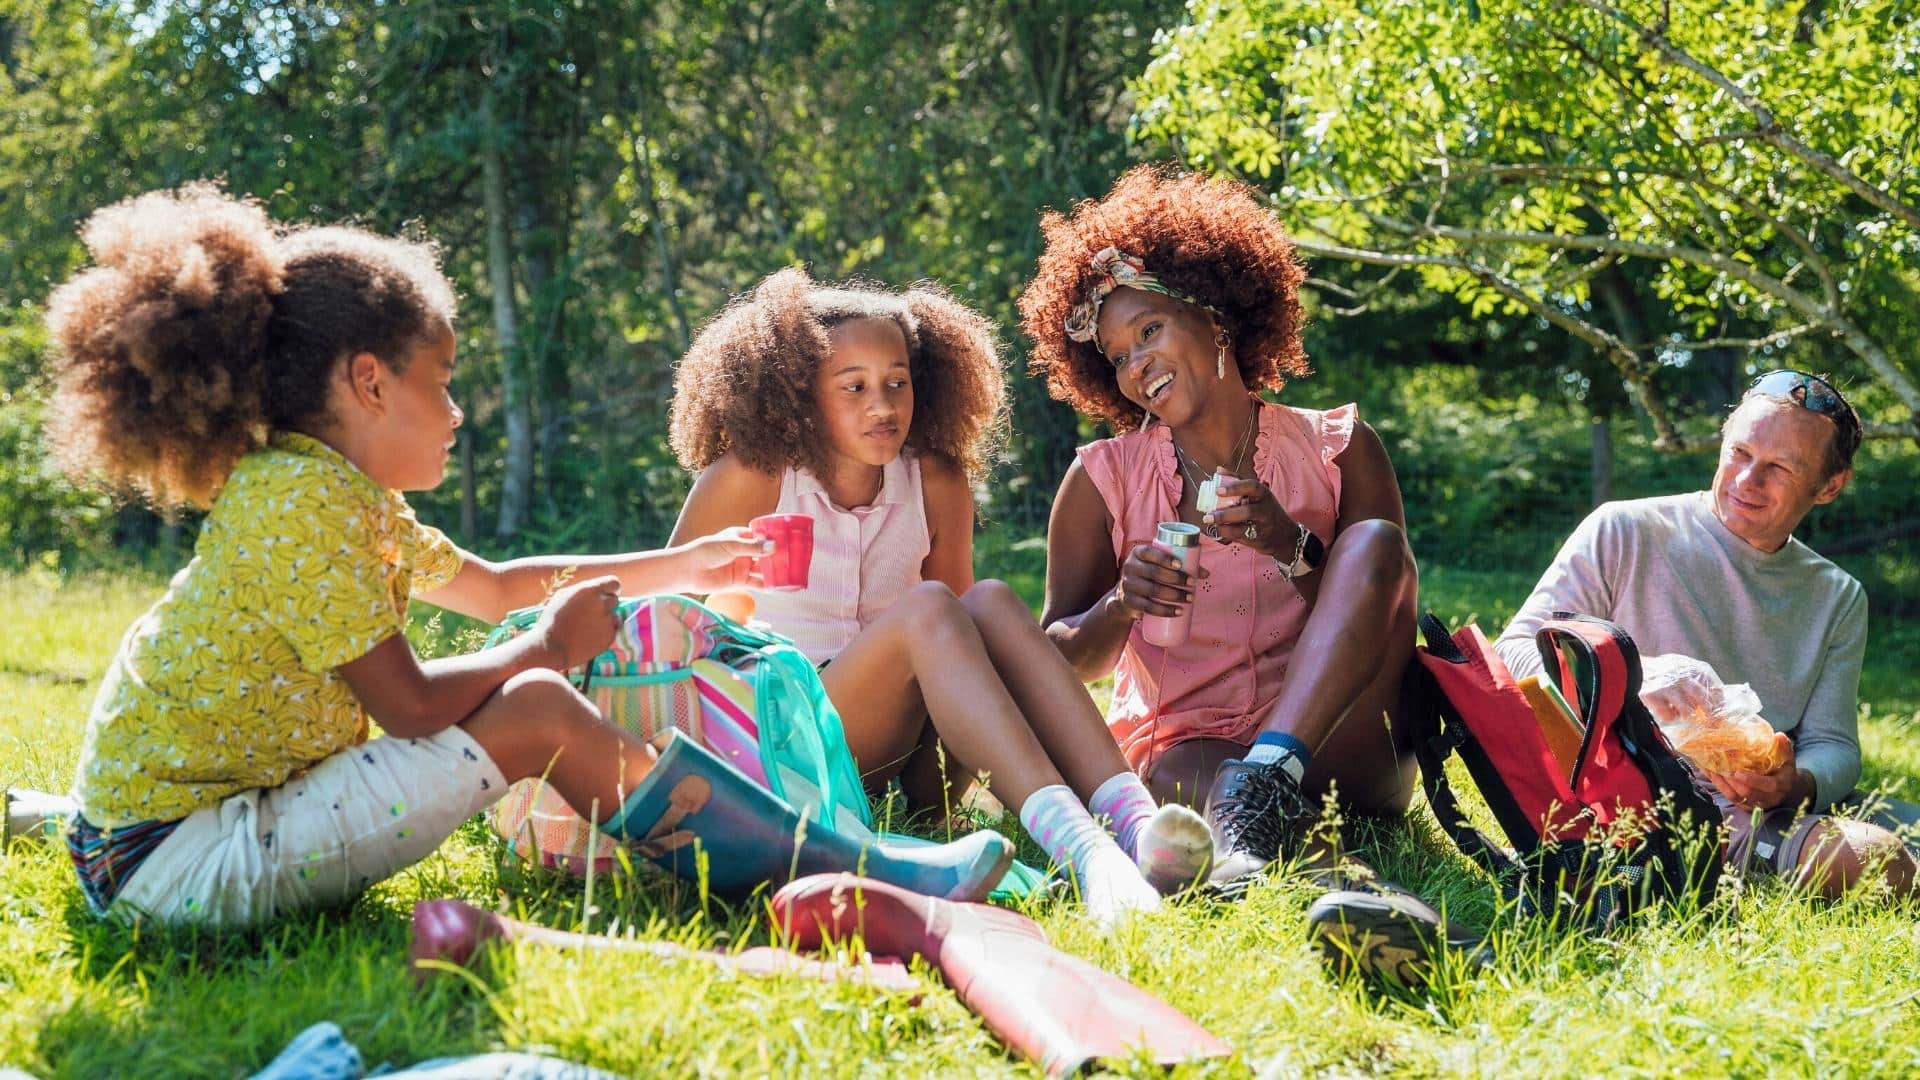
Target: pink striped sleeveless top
{"x":1246,"y":616}
{"x":864,"y":558}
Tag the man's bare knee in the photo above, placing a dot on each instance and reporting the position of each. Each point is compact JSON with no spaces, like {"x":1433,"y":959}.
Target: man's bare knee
{"x":1846,"y":853}
{"x":1833,"y":859}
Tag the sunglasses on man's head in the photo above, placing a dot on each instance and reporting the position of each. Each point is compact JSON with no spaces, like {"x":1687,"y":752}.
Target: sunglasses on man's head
{"x":1815,"y":394}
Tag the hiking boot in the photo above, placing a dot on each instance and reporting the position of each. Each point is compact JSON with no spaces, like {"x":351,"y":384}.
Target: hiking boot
{"x":1388,"y":934}
{"x":1254,"y":812}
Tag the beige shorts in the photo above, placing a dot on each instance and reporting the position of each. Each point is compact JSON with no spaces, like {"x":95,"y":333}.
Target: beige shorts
{"x":319,"y":839}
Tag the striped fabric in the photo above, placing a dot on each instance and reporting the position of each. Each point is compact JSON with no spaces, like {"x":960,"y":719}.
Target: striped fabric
{"x":667,"y":669}
{"x":106,"y":859}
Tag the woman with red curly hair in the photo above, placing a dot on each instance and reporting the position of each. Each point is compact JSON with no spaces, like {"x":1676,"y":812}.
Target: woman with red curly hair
{"x":1164,"y":310}
{"x":870,"y":411}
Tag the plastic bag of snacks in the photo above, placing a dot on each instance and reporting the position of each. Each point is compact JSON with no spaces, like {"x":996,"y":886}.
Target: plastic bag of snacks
{"x":1717,"y":725}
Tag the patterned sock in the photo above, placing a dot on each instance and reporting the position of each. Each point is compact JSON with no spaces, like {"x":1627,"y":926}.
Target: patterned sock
{"x":1170,"y":843}
{"x":1126,"y":804}
{"x":1110,"y":884}
{"x":1292,"y":754}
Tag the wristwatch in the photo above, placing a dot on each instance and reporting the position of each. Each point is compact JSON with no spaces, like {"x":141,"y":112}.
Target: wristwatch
{"x":1308,"y":554}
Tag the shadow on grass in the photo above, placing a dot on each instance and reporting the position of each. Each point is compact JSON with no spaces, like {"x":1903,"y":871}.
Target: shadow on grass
{"x":198,"y":1003}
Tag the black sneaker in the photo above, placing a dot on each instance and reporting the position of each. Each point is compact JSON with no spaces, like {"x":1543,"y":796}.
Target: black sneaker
{"x":1254,"y":811}
{"x":1388,"y":934}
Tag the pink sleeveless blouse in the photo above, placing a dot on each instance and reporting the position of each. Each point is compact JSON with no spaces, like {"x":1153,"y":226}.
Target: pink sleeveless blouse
{"x":864,"y":558}
{"x":1246,"y":615}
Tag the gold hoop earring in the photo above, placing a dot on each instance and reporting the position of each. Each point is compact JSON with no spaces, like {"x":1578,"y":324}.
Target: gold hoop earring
{"x":1220,"y":341}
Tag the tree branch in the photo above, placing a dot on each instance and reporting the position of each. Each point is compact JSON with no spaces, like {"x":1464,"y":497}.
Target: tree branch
{"x":1770,"y":129}
{"x":1596,"y":174}
{"x":1872,"y":538}
{"x":1857,"y":340}
{"x":1636,"y":372}
{"x":1770,"y":340}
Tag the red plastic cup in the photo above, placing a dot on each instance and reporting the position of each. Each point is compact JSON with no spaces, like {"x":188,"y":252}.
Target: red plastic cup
{"x":785,"y":567}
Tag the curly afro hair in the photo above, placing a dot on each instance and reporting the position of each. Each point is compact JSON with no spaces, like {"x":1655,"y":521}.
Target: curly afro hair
{"x":747,"y":384}
{"x":1210,"y":238}
{"x":201,"y":326}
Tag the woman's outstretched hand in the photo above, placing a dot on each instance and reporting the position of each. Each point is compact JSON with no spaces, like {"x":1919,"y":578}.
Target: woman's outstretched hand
{"x":1256,"y":519}
{"x":1151,"y":583}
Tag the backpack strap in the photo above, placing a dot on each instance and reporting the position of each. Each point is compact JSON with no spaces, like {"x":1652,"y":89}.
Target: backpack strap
{"x":1438,"y":731}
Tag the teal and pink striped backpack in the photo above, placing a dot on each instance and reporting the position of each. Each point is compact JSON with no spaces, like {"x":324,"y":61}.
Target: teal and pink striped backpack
{"x":744,"y":693}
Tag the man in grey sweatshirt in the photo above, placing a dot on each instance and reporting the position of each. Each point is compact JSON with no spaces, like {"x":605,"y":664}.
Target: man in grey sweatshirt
{"x":1717,"y":575}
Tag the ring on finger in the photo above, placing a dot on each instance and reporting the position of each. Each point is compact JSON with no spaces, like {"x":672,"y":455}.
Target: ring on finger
{"x":1253,"y":531}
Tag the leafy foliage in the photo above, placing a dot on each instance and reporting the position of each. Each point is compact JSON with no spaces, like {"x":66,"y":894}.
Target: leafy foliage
{"x":653,"y":160}
{"x":1745,"y":175}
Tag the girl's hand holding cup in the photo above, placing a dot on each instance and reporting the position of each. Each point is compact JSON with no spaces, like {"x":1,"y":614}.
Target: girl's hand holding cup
{"x":727,"y":559}
{"x":579,"y":621}
{"x":790,"y":549}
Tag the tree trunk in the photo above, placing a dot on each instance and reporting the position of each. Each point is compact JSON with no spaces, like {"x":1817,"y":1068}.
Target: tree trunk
{"x":1600,"y":429}
{"x":541,"y":239}
{"x":1614,"y":290}
{"x":469,"y":491}
{"x":662,"y":243}
{"x":516,"y":487}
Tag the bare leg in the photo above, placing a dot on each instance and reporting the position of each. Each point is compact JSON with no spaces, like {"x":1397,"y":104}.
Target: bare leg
{"x":1348,"y":660}
{"x":1171,"y":844}
{"x":1053,"y":699}
{"x":1348,"y":663}
{"x":1184,"y":772}
{"x":923,"y":658}
{"x":932,"y":777}
{"x":926,"y":653}
{"x":1339,"y":670}
{"x":1841,"y":854}
{"x":536,"y":724}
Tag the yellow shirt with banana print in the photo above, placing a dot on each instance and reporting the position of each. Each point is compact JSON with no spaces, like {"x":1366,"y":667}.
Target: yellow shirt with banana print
{"x":228,"y":682}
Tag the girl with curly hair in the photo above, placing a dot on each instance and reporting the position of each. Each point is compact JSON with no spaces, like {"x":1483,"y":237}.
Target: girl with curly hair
{"x":1164,"y":310}
{"x":293,"y":381}
{"x":872,"y":411}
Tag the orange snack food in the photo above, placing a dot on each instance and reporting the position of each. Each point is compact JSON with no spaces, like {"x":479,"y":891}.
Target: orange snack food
{"x":1725,"y":744}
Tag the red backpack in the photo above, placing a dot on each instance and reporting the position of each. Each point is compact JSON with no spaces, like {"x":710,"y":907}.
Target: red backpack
{"x":1625,"y":823}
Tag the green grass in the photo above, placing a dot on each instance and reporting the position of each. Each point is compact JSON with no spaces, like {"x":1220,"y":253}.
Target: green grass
{"x":1772,"y":985}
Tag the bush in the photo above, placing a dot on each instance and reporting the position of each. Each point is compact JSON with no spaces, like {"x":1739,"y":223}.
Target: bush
{"x":40,"y":511}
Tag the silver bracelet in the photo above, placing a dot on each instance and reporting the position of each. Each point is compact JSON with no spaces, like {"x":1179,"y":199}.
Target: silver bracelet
{"x":1297,"y":566}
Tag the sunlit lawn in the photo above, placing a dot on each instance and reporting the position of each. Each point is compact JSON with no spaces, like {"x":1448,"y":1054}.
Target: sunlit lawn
{"x":1775,"y":985}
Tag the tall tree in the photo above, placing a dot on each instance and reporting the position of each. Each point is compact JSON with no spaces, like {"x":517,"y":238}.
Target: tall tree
{"x":1756,"y":164}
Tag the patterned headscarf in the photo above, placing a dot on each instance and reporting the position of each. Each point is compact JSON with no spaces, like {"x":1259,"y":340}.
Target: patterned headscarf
{"x":1117,"y":268}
